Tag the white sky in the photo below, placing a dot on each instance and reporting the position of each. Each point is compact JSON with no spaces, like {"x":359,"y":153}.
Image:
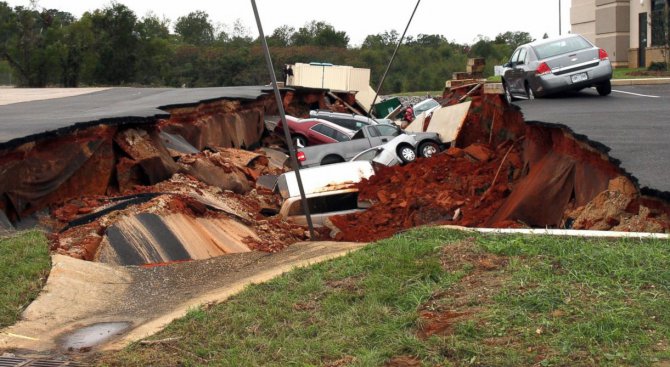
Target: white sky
{"x":457,"y":20}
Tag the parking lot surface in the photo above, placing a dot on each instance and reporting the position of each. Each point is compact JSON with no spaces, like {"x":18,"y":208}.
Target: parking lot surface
{"x":634,"y":121}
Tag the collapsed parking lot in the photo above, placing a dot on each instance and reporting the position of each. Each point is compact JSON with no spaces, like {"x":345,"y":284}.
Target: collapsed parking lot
{"x":178,"y":179}
{"x":183,"y":166}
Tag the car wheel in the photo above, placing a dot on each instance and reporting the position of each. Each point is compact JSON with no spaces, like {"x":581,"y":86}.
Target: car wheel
{"x":406,"y":153}
{"x":299,"y":141}
{"x":529,"y":92}
{"x":604,"y":88}
{"x":428,"y":149}
{"x":508,"y":95}
{"x":331,"y":159}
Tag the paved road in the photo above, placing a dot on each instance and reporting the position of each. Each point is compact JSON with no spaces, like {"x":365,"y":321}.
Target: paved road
{"x":24,"y":121}
{"x":634,"y":121}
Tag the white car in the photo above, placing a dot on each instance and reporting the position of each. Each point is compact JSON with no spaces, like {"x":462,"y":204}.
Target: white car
{"x":388,"y":154}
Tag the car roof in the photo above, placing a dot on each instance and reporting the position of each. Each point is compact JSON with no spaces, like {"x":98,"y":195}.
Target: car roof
{"x":314,"y":121}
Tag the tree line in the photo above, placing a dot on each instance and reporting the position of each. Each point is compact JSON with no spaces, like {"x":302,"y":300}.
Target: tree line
{"x":113,"y":46}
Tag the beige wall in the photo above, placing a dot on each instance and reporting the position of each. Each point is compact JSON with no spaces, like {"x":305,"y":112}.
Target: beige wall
{"x":613,"y":25}
{"x":613,"y":29}
{"x":583,"y":18}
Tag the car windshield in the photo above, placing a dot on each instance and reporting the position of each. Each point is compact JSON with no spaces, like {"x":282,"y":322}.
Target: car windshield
{"x":561,"y":46}
{"x":424,"y":106}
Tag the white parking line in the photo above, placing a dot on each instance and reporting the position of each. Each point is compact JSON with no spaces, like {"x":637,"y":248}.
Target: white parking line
{"x":635,"y":94}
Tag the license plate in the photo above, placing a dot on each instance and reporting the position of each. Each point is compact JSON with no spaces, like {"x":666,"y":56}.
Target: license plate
{"x":579,"y":77}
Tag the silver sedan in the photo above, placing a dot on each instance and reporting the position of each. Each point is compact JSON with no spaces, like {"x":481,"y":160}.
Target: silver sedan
{"x":555,"y":65}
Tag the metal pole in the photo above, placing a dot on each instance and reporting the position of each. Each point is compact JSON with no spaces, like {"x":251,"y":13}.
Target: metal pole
{"x":282,"y":114}
{"x":559,"y":18}
{"x":381,"y":82}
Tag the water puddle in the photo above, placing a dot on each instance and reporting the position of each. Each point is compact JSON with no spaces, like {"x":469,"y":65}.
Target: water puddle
{"x":93,"y":335}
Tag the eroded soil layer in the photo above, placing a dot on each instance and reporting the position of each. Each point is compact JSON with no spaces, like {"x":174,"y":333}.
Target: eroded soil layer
{"x":177,"y":189}
{"x":185,"y":187}
{"x":504,"y":172}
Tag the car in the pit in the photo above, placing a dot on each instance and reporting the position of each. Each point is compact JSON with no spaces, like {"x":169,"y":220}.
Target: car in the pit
{"x":367,"y":137}
{"x":399,"y":150}
{"x":350,"y":121}
{"x":555,"y":65}
{"x":329,"y":190}
{"x":313,"y":131}
{"x":427,"y":105}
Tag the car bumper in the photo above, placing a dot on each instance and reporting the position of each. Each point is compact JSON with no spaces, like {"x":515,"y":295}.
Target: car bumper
{"x":552,"y":83}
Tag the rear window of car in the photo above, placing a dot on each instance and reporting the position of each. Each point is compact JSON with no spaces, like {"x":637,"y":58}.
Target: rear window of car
{"x":325,"y":130}
{"x":559,"y":47}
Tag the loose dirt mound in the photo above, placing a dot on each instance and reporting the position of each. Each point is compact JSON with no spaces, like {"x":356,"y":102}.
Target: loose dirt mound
{"x":504,"y":172}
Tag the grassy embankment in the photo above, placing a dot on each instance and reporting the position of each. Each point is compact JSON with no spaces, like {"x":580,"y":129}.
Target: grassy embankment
{"x":24,"y":267}
{"x":437,"y":297}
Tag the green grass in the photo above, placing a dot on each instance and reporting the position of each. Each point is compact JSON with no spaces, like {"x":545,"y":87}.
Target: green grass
{"x":623,"y":73}
{"x":24,"y":266}
{"x":546,"y":301}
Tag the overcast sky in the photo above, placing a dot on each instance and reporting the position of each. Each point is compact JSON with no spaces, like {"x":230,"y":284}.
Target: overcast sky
{"x":458,"y":20}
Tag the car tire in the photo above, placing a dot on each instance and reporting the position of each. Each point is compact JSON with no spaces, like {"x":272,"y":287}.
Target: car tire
{"x":331,"y":159}
{"x":299,"y":139}
{"x":406,"y":153}
{"x":508,"y":95}
{"x":529,"y":92}
{"x":604,"y":89}
{"x":428,"y":149}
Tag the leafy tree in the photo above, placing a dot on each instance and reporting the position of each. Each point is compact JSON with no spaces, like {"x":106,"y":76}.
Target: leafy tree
{"x":281,"y":36}
{"x":26,"y":43}
{"x":319,"y":34}
{"x":195,"y":28}
{"x":154,"y":50}
{"x":8,"y":29}
{"x":514,"y":39}
{"x":115,"y":42}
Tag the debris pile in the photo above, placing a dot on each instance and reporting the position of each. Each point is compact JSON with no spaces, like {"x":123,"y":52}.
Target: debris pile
{"x":504,"y":172}
{"x":178,"y":219}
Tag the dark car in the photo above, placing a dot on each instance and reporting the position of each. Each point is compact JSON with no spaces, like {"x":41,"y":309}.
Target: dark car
{"x":555,"y":65}
{"x":311,"y":131}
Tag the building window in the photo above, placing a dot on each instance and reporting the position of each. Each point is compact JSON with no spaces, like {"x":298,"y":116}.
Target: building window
{"x":659,"y":22}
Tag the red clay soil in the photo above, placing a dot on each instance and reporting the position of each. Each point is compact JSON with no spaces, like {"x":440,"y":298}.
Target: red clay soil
{"x":503,"y":172}
{"x":431,"y":191}
{"x":274,"y":234}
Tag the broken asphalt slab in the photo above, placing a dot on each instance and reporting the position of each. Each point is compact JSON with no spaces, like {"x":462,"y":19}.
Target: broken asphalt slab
{"x":21,"y":122}
{"x":635,"y":128}
{"x":132,"y":302}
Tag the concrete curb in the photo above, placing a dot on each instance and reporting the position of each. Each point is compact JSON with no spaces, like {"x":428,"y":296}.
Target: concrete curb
{"x":641,"y":81}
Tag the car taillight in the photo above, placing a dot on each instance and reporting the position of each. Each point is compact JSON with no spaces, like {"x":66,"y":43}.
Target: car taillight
{"x":602,"y":54}
{"x":301,"y":156}
{"x":543,"y":69}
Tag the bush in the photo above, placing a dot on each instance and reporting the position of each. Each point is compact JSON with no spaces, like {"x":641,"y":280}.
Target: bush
{"x":658,"y":66}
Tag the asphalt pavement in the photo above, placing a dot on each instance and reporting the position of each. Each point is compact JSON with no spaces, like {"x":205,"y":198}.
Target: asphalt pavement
{"x":634,"y":122}
{"x":21,"y":122}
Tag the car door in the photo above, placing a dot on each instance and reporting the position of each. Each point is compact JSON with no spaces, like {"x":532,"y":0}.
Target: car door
{"x":387,"y":133}
{"x":359,"y":142}
{"x":511,"y":74}
{"x":519,"y":70}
